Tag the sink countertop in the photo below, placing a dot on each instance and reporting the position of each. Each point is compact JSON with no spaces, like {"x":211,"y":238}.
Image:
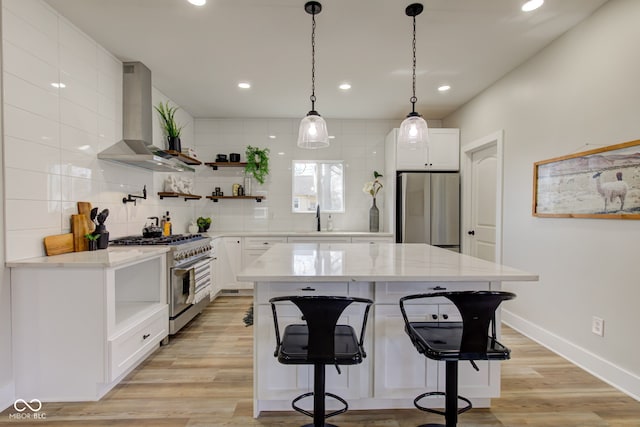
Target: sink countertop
{"x":380,"y":262}
{"x":113,"y":256}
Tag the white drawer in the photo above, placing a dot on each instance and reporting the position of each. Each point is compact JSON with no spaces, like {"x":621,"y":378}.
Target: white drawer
{"x":267,"y":291}
{"x":262,"y":242}
{"x":388,"y":239}
{"x":391,"y":292}
{"x":319,"y":239}
{"x":127,"y":349}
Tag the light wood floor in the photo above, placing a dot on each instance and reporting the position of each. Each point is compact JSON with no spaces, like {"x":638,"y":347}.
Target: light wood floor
{"x":204,"y":378}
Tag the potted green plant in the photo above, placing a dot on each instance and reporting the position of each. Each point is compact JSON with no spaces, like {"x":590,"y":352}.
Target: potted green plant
{"x":93,"y":240}
{"x":169,"y":125}
{"x":203,"y":224}
{"x":257,"y":163}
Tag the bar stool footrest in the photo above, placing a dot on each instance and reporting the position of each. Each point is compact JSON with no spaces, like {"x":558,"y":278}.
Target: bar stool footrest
{"x":435,"y":411}
{"x":327,"y":415}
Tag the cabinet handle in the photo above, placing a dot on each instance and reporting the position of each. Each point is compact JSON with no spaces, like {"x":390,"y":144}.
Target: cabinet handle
{"x":439,"y":288}
{"x":434,"y":316}
{"x":471,"y":232}
{"x":308,"y":289}
{"x":265,"y":243}
{"x":145,"y":336}
{"x":445,"y":316}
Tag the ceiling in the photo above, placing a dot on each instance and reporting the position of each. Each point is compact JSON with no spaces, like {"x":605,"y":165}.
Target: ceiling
{"x":198,"y":55}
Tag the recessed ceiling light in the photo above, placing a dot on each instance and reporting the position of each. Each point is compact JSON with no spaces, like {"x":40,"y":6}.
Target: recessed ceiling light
{"x":532,"y":5}
{"x":58,"y":85}
{"x":281,"y":153}
{"x":345,"y":86}
{"x":244,"y":85}
{"x":84,"y":147}
{"x":332,"y":137}
{"x":272,"y":137}
{"x":198,"y":2}
{"x":444,"y":88}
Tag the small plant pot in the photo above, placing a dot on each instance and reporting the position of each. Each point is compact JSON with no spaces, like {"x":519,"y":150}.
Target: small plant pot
{"x":93,"y":245}
{"x":174,"y":143}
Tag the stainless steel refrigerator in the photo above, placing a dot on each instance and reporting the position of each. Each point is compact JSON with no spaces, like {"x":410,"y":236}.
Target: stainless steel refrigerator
{"x":428,"y":208}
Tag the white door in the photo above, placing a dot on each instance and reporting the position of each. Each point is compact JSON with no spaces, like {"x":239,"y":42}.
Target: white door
{"x":483,"y":213}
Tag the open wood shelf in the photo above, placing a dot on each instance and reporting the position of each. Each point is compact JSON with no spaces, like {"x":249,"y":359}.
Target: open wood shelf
{"x":186,"y":196}
{"x":216,"y":198}
{"x":216,"y":165}
{"x":183,"y":157}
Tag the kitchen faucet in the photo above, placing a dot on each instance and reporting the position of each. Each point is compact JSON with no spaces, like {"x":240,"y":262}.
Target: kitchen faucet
{"x":318,"y":217}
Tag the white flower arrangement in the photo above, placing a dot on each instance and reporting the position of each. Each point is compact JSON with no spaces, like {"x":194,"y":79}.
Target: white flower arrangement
{"x":372,"y":187}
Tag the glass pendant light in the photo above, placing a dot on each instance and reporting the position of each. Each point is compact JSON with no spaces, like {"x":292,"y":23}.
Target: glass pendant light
{"x":313,"y":129}
{"x":413,"y":130}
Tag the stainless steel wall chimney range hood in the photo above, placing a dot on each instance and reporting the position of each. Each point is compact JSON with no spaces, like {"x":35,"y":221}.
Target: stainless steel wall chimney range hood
{"x":136,"y":148}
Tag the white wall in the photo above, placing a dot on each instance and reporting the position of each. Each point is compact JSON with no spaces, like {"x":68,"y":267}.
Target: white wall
{"x":6,"y":372}
{"x":582,"y":89}
{"x":359,"y":143}
{"x":52,"y":135}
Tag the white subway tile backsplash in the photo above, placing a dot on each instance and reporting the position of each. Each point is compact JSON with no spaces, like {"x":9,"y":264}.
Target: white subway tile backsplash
{"x":25,"y":34}
{"x":28,"y":243}
{"x":27,"y":67}
{"x":108,"y":64}
{"x":29,"y":126}
{"x":74,"y":139}
{"x":79,"y":93}
{"x":29,"y":185}
{"x":27,"y":96}
{"x":32,"y":156}
{"x":33,"y":214}
{"x":78,"y":117}
{"x":38,"y":14}
{"x":77,"y":67}
{"x":75,"y":43}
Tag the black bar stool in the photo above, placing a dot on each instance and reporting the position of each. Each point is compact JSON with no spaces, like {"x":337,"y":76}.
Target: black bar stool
{"x":454,"y":341}
{"x":319,"y":342}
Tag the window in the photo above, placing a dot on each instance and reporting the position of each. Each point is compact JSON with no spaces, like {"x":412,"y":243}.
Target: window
{"x":317,"y":183}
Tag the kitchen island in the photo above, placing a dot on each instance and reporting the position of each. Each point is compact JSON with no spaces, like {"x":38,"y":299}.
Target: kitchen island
{"x":394,"y":373}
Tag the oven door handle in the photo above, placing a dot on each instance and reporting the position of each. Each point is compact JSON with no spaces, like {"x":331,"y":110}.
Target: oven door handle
{"x":190,"y":266}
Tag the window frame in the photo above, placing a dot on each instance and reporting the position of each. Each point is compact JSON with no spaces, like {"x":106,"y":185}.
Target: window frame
{"x":318,"y":164}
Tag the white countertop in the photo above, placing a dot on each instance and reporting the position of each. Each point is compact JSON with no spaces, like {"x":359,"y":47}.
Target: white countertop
{"x":215,"y":234}
{"x":113,"y":256}
{"x":366,"y":262}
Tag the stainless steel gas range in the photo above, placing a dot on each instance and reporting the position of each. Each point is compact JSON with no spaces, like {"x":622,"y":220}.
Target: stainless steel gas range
{"x":188,"y":273}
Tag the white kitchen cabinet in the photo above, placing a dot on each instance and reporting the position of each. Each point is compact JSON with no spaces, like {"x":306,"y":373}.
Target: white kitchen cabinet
{"x":232,"y":264}
{"x":442,"y":153}
{"x":216,"y":277}
{"x":254,"y":247}
{"x":387,"y":239}
{"x":394,"y":352}
{"x":285,"y":382}
{"x":78,"y":330}
{"x":319,"y":239}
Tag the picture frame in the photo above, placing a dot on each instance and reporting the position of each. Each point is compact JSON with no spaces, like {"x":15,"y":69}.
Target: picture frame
{"x":600,"y":183}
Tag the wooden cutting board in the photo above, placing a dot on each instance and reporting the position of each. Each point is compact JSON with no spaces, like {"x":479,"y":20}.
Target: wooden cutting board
{"x":58,"y":244}
{"x":84,"y":208}
{"x":79,"y":227}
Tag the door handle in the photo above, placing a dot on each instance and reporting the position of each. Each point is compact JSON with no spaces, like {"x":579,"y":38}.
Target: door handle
{"x":471,"y":232}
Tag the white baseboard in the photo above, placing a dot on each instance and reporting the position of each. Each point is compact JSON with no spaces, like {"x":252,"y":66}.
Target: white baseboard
{"x":7,"y":395}
{"x":625,"y":381}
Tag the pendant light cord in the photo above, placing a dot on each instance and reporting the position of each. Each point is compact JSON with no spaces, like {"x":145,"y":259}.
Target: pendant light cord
{"x":413,"y":98}
{"x":313,"y":61}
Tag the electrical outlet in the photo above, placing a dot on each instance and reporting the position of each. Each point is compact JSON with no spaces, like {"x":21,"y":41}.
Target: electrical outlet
{"x":597,"y":326}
